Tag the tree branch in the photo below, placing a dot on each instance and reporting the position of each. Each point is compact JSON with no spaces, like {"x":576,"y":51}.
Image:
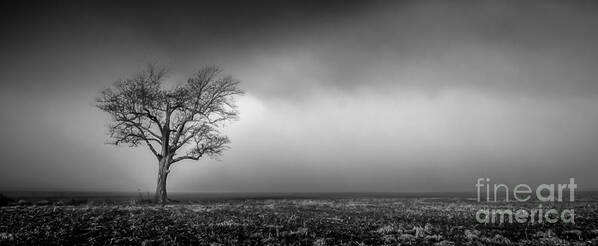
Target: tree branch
{"x":186,"y":117}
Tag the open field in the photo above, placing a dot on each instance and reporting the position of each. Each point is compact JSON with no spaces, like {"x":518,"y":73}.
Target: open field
{"x":284,"y":221}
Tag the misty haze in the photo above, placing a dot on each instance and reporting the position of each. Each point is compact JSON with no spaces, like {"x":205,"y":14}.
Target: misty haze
{"x":375,"y":116}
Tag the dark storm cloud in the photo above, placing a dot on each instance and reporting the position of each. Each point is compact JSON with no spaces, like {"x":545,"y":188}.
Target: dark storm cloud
{"x":544,"y":48}
{"x":47,"y":37}
{"x":498,"y":47}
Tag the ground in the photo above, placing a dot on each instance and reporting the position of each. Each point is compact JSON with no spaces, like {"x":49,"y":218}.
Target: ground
{"x":340,"y":221}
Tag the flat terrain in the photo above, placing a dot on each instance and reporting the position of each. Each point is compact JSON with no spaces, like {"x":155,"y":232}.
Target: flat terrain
{"x":290,"y":221}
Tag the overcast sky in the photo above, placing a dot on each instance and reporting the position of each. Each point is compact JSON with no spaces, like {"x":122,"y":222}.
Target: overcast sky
{"x":392,"y":96}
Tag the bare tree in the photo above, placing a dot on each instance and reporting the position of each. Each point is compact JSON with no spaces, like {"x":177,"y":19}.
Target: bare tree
{"x":176,"y":124}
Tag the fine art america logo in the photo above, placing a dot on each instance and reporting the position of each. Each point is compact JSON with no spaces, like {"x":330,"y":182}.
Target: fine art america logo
{"x":537,"y":205}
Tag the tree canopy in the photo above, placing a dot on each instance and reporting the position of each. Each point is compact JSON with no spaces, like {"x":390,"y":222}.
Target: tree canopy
{"x":186,"y":117}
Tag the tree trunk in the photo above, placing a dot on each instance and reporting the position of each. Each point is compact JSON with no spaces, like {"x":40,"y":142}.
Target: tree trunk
{"x":163,"y":171}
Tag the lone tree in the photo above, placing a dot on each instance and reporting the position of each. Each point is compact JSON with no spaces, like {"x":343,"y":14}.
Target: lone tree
{"x":176,"y":124}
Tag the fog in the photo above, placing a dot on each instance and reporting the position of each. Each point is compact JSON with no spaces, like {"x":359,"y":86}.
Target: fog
{"x":383,"y":96}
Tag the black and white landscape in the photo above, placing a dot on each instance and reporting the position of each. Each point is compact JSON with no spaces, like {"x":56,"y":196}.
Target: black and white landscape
{"x":299,"y":123}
